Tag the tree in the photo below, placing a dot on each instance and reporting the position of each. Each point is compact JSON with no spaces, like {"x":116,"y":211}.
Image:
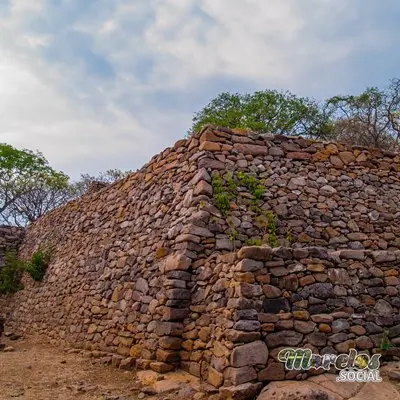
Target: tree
{"x":24,"y":178}
{"x":369,"y":119}
{"x":37,"y":202}
{"x":266,"y":111}
{"x":87,"y":182}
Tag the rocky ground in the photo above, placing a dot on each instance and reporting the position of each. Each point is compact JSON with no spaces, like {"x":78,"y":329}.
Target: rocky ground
{"x":37,"y":371}
{"x":32,"y":370}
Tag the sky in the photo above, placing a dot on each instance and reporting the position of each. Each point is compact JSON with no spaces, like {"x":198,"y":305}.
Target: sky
{"x":100,"y":84}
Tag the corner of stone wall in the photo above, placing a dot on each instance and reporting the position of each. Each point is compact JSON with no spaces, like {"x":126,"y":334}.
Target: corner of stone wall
{"x":10,"y":240}
{"x":249,"y":353}
{"x":178,"y":267}
{"x":359,"y":299}
{"x":170,"y":328}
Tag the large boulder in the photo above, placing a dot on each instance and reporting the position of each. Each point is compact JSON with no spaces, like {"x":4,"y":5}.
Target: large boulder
{"x":325,"y":387}
{"x":294,"y":390}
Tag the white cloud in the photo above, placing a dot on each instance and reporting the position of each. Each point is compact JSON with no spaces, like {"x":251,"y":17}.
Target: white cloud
{"x":87,"y":122}
{"x":27,"y":6}
{"x":35,"y":115}
{"x":259,"y":41}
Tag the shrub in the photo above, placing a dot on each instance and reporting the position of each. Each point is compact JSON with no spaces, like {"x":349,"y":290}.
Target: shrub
{"x":254,"y":242}
{"x":254,"y":186}
{"x":38,"y":264}
{"x":11,"y":273}
{"x":13,"y":269}
{"x":222,"y":195}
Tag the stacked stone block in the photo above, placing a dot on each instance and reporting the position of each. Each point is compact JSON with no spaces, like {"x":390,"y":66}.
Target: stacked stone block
{"x":323,"y":194}
{"x":10,"y":239}
{"x":328,"y":301}
{"x":146,"y":273}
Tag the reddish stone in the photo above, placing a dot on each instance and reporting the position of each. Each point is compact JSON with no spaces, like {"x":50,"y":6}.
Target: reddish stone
{"x":274,"y":372}
{"x":306,"y":280}
{"x":252,"y":149}
{"x":298,"y":156}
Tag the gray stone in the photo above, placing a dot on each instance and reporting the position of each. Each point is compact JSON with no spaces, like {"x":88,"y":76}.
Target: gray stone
{"x":248,"y":326}
{"x":338,"y":337}
{"x":142,"y":285}
{"x":353,"y":254}
{"x":166,"y":328}
{"x":238,"y":376}
{"x":372,"y":328}
{"x":246,"y":314}
{"x":339,"y":325}
{"x":304,"y":326}
{"x":382,"y":307}
{"x":255,"y":253}
{"x":321,"y":290}
{"x":178,"y":294}
{"x":248,"y":265}
{"x":383,"y":256}
{"x":284,"y":338}
{"x":255,"y":353}
{"x":317,"y":339}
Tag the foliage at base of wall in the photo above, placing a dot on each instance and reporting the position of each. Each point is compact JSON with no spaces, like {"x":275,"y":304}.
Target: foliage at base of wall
{"x":11,"y":273}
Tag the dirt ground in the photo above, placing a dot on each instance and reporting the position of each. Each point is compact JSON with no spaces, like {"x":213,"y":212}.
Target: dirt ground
{"x":36,"y":371}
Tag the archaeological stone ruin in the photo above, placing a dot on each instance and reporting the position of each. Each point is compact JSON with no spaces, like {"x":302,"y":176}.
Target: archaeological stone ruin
{"x":219,"y":252}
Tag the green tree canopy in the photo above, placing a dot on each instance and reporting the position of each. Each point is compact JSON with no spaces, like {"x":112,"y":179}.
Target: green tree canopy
{"x":30,"y":187}
{"x":371,"y":118}
{"x":23,"y":176}
{"x":266,"y":111}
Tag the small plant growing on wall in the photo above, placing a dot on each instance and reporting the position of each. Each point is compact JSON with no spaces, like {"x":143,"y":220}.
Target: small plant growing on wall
{"x":266,"y":222}
{"x":225,"y":192}
{"x":385,"y":344}
{"x":233,"y":233}
{"x":289,"y":236}
{"x":254,"y":242}
{"x":222,"y":195}
{"x":38,"y":264}
{"x":253,"y":185}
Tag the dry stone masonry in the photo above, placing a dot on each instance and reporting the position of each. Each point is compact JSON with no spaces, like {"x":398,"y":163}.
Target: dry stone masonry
{"x":160,"y":270}
{"x":261,"y":300}
{"x":10,"y":240}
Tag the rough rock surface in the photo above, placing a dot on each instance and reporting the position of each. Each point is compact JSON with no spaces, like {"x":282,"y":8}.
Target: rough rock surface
{"x":325,"y":387}
{"x":10,"y":239}
{"x":155,"y":271}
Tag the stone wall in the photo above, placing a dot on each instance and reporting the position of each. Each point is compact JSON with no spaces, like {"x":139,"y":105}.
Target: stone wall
{"x":323,"y":194}
{"x":146,"y":269}
{"x":251,"y":304}
{"x":10,"y":239}
{"x":108,"y":287}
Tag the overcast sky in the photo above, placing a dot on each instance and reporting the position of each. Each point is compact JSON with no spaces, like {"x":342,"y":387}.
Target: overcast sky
{"x":99,"y":84}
